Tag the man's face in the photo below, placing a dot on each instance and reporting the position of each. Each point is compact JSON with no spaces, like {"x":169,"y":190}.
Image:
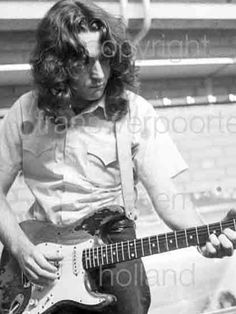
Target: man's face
{"x":94,"y":75}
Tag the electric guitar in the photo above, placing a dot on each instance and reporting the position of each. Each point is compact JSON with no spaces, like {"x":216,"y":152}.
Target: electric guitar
{"x":83,"y":249}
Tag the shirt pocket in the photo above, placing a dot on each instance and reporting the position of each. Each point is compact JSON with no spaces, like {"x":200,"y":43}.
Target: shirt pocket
{"x":102,"y":164}
{"x":38,"y":156}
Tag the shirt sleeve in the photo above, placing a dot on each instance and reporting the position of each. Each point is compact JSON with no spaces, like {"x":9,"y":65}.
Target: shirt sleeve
{"x":153,"y":149}
{"x":10,"y":141}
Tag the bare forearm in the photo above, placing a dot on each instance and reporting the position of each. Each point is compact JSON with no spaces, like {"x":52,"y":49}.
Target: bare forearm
{"x":178,"y":219}
{"x":10,"y":232}
{"x":176,"y":209}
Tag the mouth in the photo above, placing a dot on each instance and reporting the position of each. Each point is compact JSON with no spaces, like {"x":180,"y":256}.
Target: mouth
{"x":97,"y":86}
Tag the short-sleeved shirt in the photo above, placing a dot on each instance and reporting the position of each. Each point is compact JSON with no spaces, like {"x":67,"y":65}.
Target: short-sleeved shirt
{"x":73,"y":171}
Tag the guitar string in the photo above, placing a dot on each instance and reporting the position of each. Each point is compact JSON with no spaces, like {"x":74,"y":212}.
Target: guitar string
{"x":126,"y":244}
{"x":174,"y":234}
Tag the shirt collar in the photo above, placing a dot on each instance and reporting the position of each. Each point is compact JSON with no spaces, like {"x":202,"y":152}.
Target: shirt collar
{"x":95,"y":105}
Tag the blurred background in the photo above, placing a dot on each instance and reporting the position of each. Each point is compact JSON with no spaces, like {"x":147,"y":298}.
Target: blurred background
{"x":186,"y":53}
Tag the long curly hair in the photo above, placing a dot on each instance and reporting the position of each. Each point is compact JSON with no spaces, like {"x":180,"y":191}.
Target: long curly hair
{"x":59,"y":55}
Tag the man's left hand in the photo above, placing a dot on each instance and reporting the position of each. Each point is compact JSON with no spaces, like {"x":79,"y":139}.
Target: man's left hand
{"x":224,"y":244}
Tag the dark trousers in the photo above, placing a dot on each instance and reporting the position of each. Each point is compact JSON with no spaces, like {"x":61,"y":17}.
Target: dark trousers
{"x":127,"y":281}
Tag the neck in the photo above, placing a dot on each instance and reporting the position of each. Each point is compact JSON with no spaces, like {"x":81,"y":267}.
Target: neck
{"x":137,"y":248}
{"x":79,"y":105}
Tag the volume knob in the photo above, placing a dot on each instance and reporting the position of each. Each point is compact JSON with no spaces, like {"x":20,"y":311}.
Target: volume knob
{"x":33,"y":302}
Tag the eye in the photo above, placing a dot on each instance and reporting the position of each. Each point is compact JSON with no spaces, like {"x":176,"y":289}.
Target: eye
{"x":97,"y":25}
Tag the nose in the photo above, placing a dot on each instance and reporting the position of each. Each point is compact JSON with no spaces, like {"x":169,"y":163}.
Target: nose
{"x":97,"y":73}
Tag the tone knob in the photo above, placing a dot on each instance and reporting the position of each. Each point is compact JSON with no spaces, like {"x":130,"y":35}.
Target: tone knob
{"x":33,"y":302}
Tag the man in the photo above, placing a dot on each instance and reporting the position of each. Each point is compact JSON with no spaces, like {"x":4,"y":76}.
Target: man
{"x":61,"y":135}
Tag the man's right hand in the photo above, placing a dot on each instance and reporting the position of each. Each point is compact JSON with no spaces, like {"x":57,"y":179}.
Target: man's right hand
{"x":36,"y":264}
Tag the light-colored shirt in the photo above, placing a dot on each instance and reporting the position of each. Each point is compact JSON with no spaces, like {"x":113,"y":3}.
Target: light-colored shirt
{"x":73,"y":171}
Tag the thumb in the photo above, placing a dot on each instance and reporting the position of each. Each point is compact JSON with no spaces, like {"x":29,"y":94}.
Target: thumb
{"x":53,"y":254}
{"x":231,"y":214}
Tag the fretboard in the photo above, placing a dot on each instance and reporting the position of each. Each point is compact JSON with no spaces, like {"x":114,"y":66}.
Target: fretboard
{"x":133,"y":249}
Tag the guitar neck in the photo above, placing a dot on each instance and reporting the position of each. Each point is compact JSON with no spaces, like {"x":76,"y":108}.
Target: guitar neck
{"x":133,"y":249}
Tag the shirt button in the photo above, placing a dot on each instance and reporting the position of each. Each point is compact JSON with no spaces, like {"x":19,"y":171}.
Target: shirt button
{"x":130,"y":215}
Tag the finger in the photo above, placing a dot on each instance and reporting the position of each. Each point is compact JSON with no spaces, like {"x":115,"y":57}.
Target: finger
{"x":45,"y":264}
{"x":214,"y":241}
{"x":42,"y":273}
{"x":210,"y":250}
{"x":53,"y":255}
{"x":31,"y":276}
{"x":231,"y":235}
{"x":35,"y":279}
{"x":227,"y":245}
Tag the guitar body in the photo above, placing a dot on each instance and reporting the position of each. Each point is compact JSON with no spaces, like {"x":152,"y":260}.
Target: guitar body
{"x":74,"y":285}
{"x":84,"y":247}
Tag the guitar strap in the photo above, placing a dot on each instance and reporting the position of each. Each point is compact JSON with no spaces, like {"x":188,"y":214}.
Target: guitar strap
{"x":123,"y":142}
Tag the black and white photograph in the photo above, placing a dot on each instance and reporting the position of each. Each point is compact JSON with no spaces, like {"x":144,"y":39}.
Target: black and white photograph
{"x":117,"y":157}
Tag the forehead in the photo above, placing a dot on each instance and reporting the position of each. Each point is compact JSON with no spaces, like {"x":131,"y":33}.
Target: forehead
{"x":91,"y":41}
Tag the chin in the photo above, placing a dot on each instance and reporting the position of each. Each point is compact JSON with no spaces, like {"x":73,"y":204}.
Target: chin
{"x":96,"y":95}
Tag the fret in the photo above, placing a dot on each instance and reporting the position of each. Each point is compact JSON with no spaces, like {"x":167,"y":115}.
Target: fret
{"x":171,"y":240}
{"x":234,"y":224}
{"x":167,"y":245}
{"x":158,"y":246}
{"x":186,"y":236}
{"x":117,"y":253}
{"x":135,"y":248}
{"x":208,"y":230}
{"x":98,"y":255}
{"x":106,"y":254}
{"x":197,"y":236}
{"x":230,"y":224}
{"x":128,"y":250}
{"x":176,"y":243}
{"x":93,"y":256}
{"x":101,"y":255}
{"x":191,"y":236}
{"x":111,"y":250}
{"x":142,"y":247}
{"x":90,"y":260}
{"x":85,"y":257}
{"x":122,"y":250}
{"x":150,"y":246}
{"x":181,"y":239}
{"x":221,"y":227}
{"x":162,"y":243}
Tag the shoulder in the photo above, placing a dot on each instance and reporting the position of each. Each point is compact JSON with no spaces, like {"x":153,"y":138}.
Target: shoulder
{"x":27,"y":105}
{"x":139,"y":106}
{"x":28,"y":100}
